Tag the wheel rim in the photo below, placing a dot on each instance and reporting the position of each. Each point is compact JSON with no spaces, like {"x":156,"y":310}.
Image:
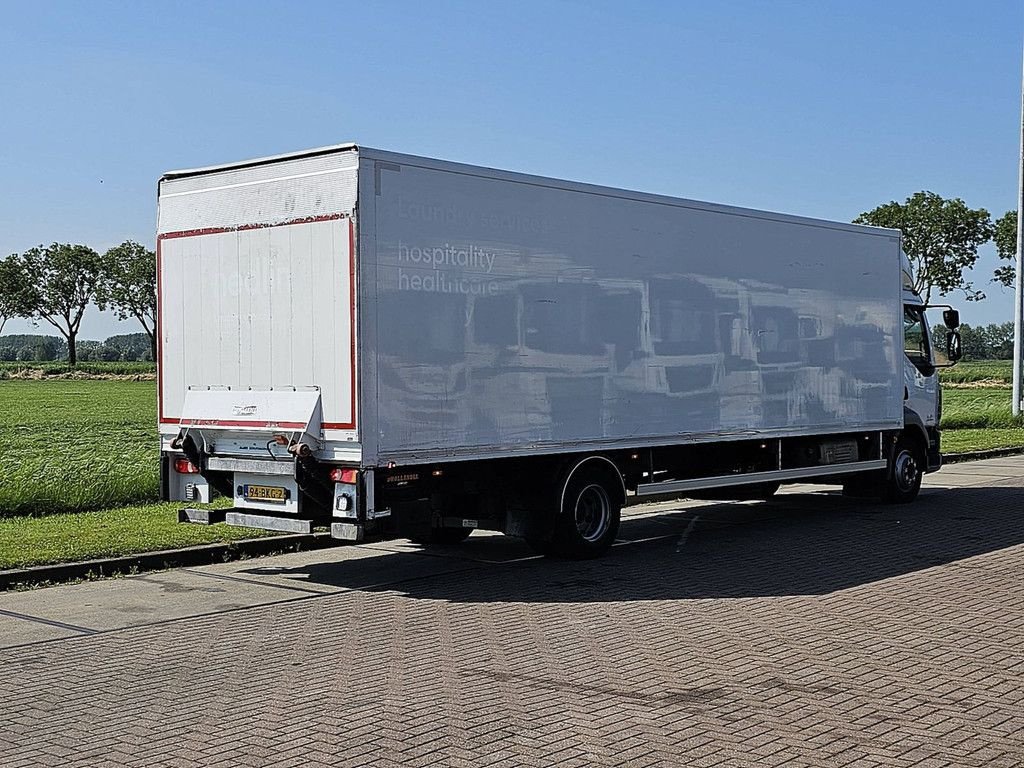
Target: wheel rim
{"x":905,"y":472}
{"x":593,"y":511}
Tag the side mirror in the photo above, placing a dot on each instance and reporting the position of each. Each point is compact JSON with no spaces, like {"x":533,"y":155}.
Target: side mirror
{"x":951,"y":318}
{"x":954,"y":345}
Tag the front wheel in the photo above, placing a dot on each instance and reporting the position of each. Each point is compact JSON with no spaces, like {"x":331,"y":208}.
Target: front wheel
{"x":903,"y":481}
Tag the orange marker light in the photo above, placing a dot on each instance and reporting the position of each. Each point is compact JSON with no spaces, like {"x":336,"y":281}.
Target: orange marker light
{"x":347,"y":476}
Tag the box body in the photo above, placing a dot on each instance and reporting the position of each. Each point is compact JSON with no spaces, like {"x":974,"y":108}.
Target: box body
{"x":451,"y":312}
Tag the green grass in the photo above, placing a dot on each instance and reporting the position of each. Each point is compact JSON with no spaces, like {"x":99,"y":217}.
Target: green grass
{"x":977,"y":408}
{"x":979,"y":418}
{"x":76,"y":457}
{"x":61,"y":538}
{"x":961,"y":440}
{"x":70,"y":445}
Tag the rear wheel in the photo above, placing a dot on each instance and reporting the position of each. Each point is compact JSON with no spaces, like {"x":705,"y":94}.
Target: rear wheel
{"x":588,"y":520}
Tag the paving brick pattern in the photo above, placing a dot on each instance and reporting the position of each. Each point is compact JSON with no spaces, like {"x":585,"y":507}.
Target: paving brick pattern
{"x":809,"y":631}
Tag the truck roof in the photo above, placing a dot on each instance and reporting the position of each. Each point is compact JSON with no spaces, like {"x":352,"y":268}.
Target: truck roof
{"x":258,"y":161}
{"x":525,"y":178}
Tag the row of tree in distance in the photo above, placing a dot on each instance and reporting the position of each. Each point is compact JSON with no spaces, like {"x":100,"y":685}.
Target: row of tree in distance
{"x":38,"y":348}
{"x":980,"y":342}
{"x":55,"y":284}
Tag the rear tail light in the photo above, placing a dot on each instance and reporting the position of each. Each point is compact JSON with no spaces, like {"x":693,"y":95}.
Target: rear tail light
{"x":185,"y":467}
{"x":347,"y":476}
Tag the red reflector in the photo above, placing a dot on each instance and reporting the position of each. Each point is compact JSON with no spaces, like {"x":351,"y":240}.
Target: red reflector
{"x":185,"y":467}
{"x":347,"y":476}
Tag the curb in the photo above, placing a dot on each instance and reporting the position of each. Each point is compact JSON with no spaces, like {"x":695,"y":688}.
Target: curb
{"x":991,"y":453}
{"x":204,"y":554}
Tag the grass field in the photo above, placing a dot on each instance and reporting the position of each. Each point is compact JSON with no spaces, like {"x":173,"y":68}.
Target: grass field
{"x":74,"y":445}
{"x":76,"y":458}
{"x":976,"y":407}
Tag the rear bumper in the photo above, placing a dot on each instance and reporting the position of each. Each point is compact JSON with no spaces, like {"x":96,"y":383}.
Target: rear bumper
{"x":292,"y":495}
{"x":248,"y":519}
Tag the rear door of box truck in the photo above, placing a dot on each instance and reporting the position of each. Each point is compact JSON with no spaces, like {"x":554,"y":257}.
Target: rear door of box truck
{"x":256,"y":289}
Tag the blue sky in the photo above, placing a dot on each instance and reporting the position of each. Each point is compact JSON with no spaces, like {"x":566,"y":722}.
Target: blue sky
{"x":820,"y":109}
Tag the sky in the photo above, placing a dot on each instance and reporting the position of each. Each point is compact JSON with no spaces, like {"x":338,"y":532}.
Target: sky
{"x":822,"y":109}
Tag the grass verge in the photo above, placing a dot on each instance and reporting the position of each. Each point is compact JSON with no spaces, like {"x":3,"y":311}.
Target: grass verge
{"x":964,"y":440}
{"x":64,"y":538}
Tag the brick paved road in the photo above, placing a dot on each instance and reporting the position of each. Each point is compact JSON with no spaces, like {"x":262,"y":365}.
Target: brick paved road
{"x":809,"y":631}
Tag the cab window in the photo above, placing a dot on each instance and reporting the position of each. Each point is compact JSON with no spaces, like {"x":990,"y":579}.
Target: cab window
{"x":915,"y":337}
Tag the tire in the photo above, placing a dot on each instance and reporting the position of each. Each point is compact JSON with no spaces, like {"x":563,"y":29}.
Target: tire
{"x":903,"y":480}
{"x":588,"y":520}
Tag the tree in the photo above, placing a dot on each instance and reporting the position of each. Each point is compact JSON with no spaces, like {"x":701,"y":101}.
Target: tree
{"x":89,"y":351}
{"x":129,"y":286}
{"x":973,"y":343}
{"x":941,"y":237}
{"x":12,"y":289}
{"x":62,"y":281}
{"x":32,"y":347}
{"x":129,"y":346}
{"x":1005,"y":238}
{"x":7,"y":301}
{"x":982,"y":342}
{"x":999,"y":340}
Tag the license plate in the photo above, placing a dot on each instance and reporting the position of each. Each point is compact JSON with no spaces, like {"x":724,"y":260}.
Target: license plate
{"x":265,"y":493}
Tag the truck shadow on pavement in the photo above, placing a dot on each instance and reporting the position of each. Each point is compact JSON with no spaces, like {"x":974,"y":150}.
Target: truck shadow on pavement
{"x":811,"y":544}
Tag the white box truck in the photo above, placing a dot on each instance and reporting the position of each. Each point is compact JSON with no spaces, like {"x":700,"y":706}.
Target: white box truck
{"x":399,"y":346}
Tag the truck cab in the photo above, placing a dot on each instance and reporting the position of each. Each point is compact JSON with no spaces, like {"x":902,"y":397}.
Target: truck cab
{"x":922,"y":394}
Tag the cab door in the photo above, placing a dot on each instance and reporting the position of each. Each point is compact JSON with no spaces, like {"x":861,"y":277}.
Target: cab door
{"x":921,"y":380}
